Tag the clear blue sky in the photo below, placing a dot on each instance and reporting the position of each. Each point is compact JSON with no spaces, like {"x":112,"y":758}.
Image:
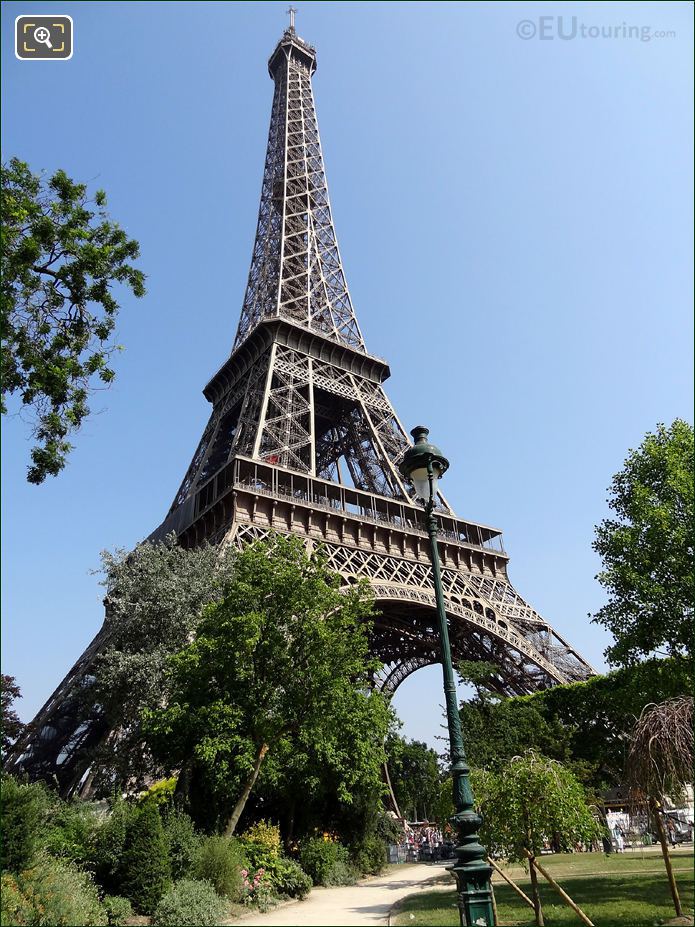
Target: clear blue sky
{"x":514,"y":215}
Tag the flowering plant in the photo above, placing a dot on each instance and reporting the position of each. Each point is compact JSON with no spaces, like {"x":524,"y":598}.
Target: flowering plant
{"x":257,"y":889}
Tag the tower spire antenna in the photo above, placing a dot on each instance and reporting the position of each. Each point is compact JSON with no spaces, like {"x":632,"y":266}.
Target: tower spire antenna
{"x":291,"y":12}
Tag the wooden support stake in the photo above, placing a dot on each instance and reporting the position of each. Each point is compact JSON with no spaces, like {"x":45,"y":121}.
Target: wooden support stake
{"x":561,"y":892}
{"x":495,"y":919}
{"x":658,"y":820}
{"x":516,"y":888}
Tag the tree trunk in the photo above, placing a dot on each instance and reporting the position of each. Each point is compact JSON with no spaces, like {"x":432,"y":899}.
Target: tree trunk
{"x":183,"y":783}
{"x":536,"y":896}
{"x":289,"y":839}
{"x":563,"y":894}
{"x":519,"y":891}
{"x":392,"y":794}
{"x":243,"y":798}
{"x":667,"y":856}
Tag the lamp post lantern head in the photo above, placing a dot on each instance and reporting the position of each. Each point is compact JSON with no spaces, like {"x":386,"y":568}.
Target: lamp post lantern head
{"x":423,"y":464}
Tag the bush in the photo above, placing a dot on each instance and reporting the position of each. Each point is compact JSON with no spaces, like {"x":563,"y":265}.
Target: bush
{"x":326,"y":862}
{"x":24,"y":808}
{"x":190,"y":903}
{"x":109,"y":845}
{"x":52,"y":891}
{"x":118,"y":910}
{"x":183,"y":843}
{"x":261,"y":844}
{"x":388,"y":828}
{"x":369,"y":855}
{"x":159,"y":793}
{"x":72,"y":832}
{"x":220,"y":862}
{"x":15,"y":907}
{"x":265,"y":835}
{"x":342,"y":873}
{"x":146,"y":873}
{"x":288,"y":878}
{"x":258,"y":889}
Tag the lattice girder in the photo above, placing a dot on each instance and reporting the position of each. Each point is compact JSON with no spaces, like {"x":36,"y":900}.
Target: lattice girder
{"x":296,"y":269}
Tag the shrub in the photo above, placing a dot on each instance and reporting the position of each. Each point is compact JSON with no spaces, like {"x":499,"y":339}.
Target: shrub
{"x":109,"y":845}
{"x":15,"y":907}
{"x":288,"y":878}
{"x":262,"y":846}
{"x":220,"y":862}
{"x":183,"y":843}
{"x":53,"y":891}
{"x":118,"y":910}
{"x":327,"y":862}
{"x":266,"y":835}
{"x":159,"y":793}
{"x":388,"y":828}
{"x":72,"y":832}
{"x":190,"y":903}
{"x":257,"y":890}
{"x":369,"y":855}
{"x":146,"y":873}
{"x":24,"y":808}
{"x":342,"y":873}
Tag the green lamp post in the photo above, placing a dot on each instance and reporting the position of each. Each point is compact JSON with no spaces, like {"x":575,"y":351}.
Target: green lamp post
{"x":424,"y":464}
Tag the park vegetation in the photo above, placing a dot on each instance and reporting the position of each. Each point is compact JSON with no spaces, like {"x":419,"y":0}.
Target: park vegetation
{"x":233,"y":679}
{"x":247,"y":763}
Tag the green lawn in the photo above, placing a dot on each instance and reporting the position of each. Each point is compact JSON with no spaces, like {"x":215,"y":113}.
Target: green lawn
{"x":626,"y":891}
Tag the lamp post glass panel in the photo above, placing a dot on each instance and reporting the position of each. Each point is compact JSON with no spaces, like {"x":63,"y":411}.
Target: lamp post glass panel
{"x":424,"y":464}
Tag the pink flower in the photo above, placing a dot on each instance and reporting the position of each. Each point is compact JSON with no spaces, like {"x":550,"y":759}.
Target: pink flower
{"x":244,"y":873}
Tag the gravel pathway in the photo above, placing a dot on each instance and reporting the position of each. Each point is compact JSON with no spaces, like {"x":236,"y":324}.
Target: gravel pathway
{"x":353,"y":905}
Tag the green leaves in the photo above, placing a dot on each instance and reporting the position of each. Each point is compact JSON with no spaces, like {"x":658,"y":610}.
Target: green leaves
{"x":155,"y":597}
{"x":282,"y":660}
{"x":60,"y":257}
{"x":585,"y":725}
{"x":647,"y":550}
{"x":532,"y":802}
{"x":414,"y":773}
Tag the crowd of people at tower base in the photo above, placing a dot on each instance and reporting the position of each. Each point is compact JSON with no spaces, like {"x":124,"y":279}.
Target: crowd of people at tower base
{"x":423,"y":842}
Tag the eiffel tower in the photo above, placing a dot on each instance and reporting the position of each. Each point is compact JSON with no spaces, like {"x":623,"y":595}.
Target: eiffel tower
{"x":302,"y":439}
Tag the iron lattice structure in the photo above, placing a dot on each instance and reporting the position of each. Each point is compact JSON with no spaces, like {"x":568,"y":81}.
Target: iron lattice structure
{"x":302,"y":439}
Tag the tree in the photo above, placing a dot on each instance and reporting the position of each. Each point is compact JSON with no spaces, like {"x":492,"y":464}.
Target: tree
{"x":12,"y":727}
{"x":298,"y":787}
{"x":443,"y":808}
{"x":529,"y":803}
{"x":647,"y":550}
{"x":498,"y":729}
{"x":585,"y":725}
{"x":597,"y":715}
{"x":415,"y":777}
{"x":660,"y":763}
{"x":155,"y":597}
{"x":61,"y":255}
{"x":283,"y":658}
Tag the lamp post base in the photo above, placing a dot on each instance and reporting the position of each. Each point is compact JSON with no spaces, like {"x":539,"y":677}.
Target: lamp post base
{"x":474,"y":895}
{"x":472,"y":873}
